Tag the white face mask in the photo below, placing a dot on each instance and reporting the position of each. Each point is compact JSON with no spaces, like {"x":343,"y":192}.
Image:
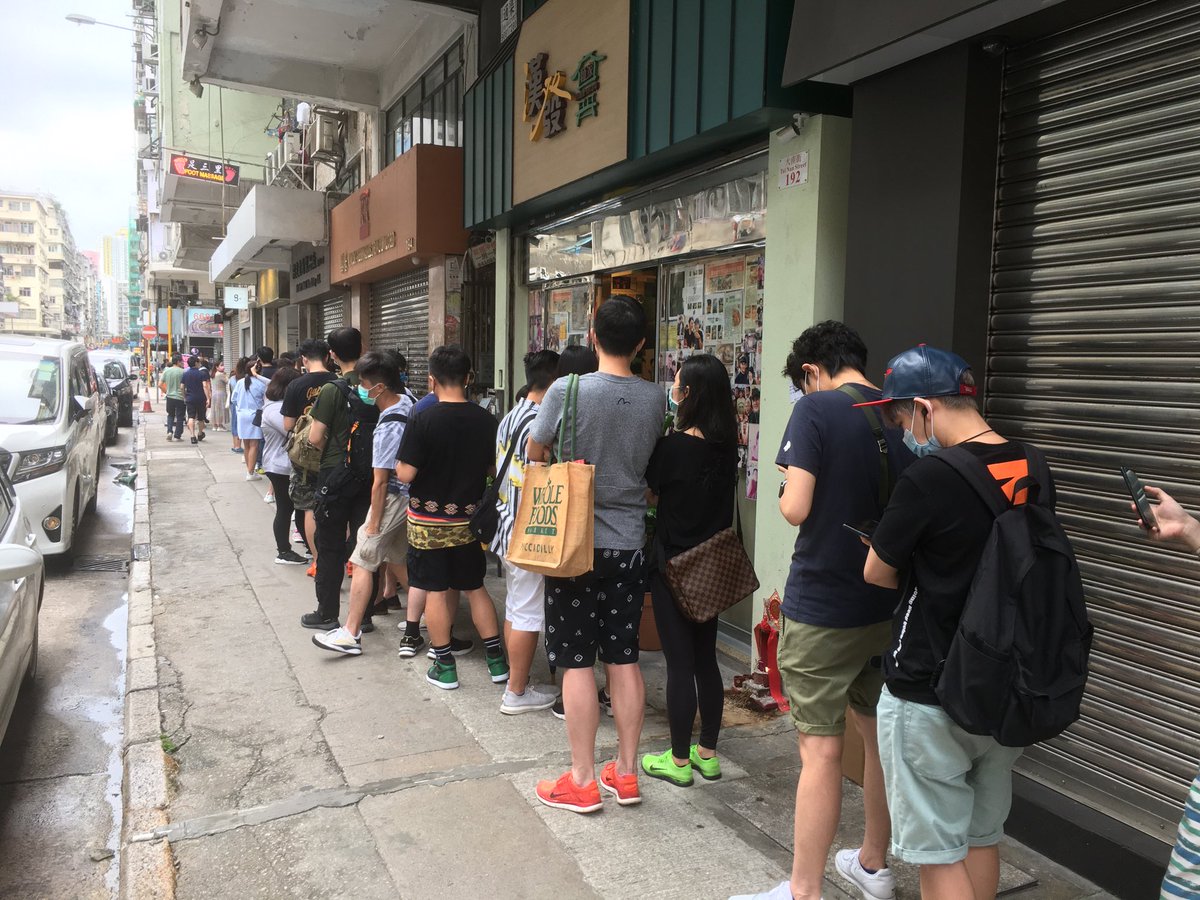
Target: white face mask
{"x":910,"y":440}
{"x":804,"y":384}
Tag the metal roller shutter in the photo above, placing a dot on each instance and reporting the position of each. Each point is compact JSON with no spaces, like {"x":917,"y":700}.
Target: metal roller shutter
{"x":1095,"y":356}
{"x":400,"y":321}
{"x":232,"y":341}
{"x":333,"y":315}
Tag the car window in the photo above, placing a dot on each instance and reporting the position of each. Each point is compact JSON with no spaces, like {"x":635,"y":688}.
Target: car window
{"x":30,"y":388}
{"x":6,"y":504}
{"x":80,"y":377}
{"x":113,"y":369}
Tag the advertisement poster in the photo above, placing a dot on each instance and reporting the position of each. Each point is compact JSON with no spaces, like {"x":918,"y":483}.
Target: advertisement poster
{"x":537,"y":320}
{"x":202,"y":323}
{"x":725,"y":275}
{"x":752,"y":465}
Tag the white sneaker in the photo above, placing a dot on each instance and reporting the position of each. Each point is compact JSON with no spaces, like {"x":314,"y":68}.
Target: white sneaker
{"x":268,"y":498}
{"x":532,"y":700}
{"x":781,"y":891}
{"x":250,"y":476}
{"x":878,"y":886}
{"x":339,"y":640}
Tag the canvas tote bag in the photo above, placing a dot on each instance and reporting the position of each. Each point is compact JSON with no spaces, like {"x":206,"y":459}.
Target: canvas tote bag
{"x":554,"y":530}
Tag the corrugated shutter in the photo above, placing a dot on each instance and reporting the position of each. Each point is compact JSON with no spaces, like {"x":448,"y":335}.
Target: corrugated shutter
{"x":1095,"y":356}
{"x":333,"y":315}
{"x":400,"y":321}
{"x":232,"y":344}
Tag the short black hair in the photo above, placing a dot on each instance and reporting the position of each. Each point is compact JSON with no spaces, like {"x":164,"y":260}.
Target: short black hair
{"x":345,"y":343}
{"x":832,"y":345}
{"x":577,"y":360}
{"x":280,"y":380}
{"x":401,"y":360}
{"x":266,"y":354}
{"x":620,"y":326}
{"x":541,"y":369}
{"x":193,"y":361}
{"x":314,"y":348}
{"x":176,"y":359}
{"x":708,"y":404}
{"x":380,"y":367}
{"x":450,"y":366}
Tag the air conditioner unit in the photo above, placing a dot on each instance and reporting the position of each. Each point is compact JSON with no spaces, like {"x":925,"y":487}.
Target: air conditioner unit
{"x":324,"y":137}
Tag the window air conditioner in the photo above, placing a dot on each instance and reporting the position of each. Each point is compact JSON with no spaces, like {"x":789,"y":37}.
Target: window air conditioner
{"x":323,"y":140}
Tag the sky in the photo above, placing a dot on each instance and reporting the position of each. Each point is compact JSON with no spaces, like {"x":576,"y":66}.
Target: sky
{"x":67,"y":125}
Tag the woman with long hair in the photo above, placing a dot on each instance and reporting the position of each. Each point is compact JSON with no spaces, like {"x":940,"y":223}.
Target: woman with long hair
{"x":239,"y":372}
{"x":248,"y":394}
{"x":693,"y":472}
{"x":277,"y":465}
{"x":220,"y":397}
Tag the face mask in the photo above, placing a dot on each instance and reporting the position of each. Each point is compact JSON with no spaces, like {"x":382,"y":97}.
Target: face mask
{"x":910,"y":440}
{"x":804,"y":384}
{"x":365,"y":396}
{"x":672,"y":406}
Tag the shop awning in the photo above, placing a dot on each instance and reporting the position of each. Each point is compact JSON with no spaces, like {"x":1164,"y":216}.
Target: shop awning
{"x":841,"y":43}
{"x":263,"y":231}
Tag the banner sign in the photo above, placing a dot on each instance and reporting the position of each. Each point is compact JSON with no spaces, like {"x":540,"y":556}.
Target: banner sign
{"x":211,"y":170}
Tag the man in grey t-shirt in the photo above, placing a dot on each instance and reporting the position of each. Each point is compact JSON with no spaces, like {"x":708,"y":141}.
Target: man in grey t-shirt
{"x":620,"y":418}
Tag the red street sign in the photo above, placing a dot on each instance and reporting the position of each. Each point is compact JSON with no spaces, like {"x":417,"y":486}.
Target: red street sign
{"x":149,"y":332}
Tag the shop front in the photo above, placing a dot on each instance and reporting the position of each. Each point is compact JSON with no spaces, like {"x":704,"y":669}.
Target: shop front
{"x":396,"y":246}
{"x":319,"y":304}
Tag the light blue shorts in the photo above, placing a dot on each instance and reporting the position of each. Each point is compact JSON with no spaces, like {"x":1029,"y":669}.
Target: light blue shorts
{"x":947,"y":790}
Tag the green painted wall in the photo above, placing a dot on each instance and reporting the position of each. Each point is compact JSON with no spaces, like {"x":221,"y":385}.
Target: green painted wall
{"x":806,"y":266}
{"x":487,"y":155}
{"x":200,"y":124}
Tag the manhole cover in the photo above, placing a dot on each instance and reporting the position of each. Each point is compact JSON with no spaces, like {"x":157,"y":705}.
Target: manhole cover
{"x":102,"y":564}
{"x":141,"y":551}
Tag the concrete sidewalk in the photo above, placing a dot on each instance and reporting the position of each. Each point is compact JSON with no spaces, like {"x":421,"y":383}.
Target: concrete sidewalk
{"x":294,"y":772}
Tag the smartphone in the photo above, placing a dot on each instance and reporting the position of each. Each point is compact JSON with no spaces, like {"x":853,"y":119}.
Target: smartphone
{"x":862,"y":529}
{"x":1140,"y":500}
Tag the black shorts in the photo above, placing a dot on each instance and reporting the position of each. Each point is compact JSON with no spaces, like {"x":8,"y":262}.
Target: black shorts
{"x":447,"y":568}
{"x":197,"y":409}
{"x":602,"y":609}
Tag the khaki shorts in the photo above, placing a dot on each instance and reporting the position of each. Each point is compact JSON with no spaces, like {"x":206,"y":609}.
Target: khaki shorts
{"x":391,"y":544}
{"x":823,"y":669}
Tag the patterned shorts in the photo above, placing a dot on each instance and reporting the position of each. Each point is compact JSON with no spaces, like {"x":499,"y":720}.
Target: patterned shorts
{"x":600,"y":610}
{"x":302,"y":488}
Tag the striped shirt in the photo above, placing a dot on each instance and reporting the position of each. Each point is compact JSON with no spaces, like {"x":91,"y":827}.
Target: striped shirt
{"x":514,"y":426}
{"x":1183,"y":871}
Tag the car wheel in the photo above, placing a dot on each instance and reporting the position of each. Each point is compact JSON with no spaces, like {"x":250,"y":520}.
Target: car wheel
{"x":31,"y":669}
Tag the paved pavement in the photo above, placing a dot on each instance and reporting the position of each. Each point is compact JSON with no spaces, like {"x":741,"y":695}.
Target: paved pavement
{"x":60,"y":762}
{"x":298,"y":773}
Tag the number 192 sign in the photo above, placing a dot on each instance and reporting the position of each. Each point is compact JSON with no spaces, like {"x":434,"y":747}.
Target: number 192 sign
{"x":793,"y":170}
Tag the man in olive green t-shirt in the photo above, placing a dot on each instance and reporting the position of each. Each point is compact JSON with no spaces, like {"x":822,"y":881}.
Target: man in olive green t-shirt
{"x":172,"y":386}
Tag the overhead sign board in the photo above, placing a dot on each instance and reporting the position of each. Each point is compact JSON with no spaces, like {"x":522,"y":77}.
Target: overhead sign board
{"x":236,"y":297}
{"x":214,"y":171}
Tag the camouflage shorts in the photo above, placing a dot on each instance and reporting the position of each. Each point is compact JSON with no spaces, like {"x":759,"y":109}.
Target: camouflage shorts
{"x":302,"y":488}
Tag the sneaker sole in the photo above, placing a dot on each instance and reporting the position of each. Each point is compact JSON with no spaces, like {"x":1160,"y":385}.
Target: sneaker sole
{"x":517,"y":710}
{"x":867,"y":895}
{"x":406,"y":653}
{"x":500,"y":679}
{"x":445,"y":686}
{"x":667,"y":778}
{"x":345,"y":651}
{"x":291,"y":562}
{"x":561,"y":717}
{"x":627,"y":801}
{"x":321,"y":626}
{"x":696,"y":769}
{"x":571,"y":807}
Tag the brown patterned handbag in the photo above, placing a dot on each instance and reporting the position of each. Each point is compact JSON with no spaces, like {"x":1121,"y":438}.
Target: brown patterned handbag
{"x":711,"y":577}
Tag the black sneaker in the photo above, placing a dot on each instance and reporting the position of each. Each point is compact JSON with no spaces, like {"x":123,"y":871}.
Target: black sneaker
{"x":367,"y":626}
{"x":457,"y":648}
{"x":316,"y":620}
{"x":378,"y":609}
{"x":558,"y":710}
{"x":194,"y":441}
{"x":393,"y":602}
{"x":605,"y":702}
{"x":200,"y":436}
{"x":290,"y":558}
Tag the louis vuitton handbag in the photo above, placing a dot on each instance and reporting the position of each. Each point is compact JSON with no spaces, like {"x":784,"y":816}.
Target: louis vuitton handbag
{"x":713,"y":576}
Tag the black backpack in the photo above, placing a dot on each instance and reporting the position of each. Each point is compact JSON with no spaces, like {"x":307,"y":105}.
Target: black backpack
{"x":355,"y":475}
{"x":1018,"y":663}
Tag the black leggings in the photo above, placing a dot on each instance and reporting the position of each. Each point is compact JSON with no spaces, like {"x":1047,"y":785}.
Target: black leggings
{"x":284,"y":510}
{"x":693,"y":676}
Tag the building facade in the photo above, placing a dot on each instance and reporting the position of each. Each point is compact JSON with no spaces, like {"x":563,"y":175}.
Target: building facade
{"x":44,"y":271}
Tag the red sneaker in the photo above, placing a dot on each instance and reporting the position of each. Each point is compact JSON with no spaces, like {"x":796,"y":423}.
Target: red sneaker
{"x":311,"y":571}
{"x":623,"y":787}
{"x":566,"y":794}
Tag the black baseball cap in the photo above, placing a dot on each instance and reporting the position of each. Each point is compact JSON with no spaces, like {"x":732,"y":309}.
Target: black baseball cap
{"x":924,"y":371}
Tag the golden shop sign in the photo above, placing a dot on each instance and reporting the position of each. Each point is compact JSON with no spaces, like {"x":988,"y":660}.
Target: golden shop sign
{"x":365,"y":252}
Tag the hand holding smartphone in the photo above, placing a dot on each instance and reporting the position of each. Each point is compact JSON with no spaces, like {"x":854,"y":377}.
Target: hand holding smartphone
{"x":1142,"y":503}
{"x":863,"y":529}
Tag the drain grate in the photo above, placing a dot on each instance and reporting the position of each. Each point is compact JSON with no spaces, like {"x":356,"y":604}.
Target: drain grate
{"x":118,"y":564}
{"x":141,"y":551}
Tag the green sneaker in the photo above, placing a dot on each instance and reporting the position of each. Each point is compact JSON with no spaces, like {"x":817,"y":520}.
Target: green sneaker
{"x":663,"y":766}
{"x":709,"y":769}
{"x":443,"y":675}
{"x":498,"y":667}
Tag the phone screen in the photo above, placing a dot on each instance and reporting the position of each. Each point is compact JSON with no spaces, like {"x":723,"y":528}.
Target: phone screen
{"x":1140,"y":500}
{"x":862,"y":529}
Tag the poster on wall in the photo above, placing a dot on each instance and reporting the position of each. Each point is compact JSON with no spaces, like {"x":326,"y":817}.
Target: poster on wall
{"x":537,"y":320}
{"x":202,"y":323}
{"x":724,"y":275}
{"x":752,"y":464}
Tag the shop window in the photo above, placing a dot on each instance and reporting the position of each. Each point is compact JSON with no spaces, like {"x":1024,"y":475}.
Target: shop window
{"x":430,"y":112}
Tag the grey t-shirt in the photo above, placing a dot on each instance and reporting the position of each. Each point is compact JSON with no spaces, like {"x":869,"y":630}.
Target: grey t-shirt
{"x":619,"y":422}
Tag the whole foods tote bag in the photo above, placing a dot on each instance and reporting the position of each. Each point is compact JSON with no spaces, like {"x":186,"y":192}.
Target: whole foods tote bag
{"x":554,"y":530}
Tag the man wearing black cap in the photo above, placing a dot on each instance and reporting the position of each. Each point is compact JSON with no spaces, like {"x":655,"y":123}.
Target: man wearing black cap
{"x":949,"y":791}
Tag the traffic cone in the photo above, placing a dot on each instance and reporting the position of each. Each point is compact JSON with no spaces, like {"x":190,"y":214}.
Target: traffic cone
{"x":146,"y":407}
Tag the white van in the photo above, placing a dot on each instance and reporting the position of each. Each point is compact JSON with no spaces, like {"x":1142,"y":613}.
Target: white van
{"x":51,"y":434}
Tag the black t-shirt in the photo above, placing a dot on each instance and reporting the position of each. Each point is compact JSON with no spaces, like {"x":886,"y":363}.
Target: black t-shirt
{"x":695,"y":480}
{"x":934,"y":531}
{"x":452,"y":446}
{"x":302,"y":393}
{"x":831,"y":439}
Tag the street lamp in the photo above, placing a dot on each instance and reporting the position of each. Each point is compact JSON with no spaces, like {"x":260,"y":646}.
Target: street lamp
{"x":88,"y":20}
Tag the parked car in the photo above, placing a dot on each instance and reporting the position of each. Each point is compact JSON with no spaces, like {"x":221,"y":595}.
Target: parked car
{"x":112,"y":409}
{"x":124,"y":385}
{"x":51,"y":434}
{"x":22,"y":576}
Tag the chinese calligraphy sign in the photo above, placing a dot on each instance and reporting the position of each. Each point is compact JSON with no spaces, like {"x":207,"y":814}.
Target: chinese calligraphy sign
{"x":547,"y":96}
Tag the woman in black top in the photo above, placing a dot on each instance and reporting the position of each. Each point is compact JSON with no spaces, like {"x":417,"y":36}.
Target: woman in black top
{"x":694,"y":474}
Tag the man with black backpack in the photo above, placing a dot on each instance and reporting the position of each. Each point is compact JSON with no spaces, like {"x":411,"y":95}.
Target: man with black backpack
{"x":343,"y":427}
{"x":971,"y":537}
